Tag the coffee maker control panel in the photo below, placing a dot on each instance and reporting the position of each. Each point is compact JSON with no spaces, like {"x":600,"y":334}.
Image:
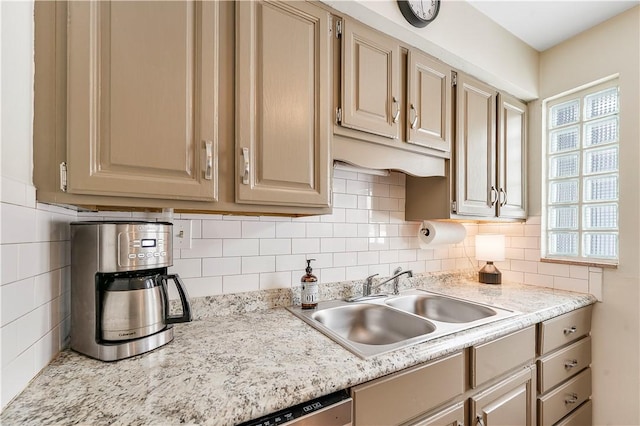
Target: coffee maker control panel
{"x":144,"y":249}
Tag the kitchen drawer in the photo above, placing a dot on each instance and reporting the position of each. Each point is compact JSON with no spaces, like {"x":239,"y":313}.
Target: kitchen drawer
{"x":563,"y":364}
{"x":580,"y":417}
{"x":564,"y":329}
{"x":405,"y":395}
{"x":491,"y":360}
{"x":561,"y":401}
{"x":450,"y":416}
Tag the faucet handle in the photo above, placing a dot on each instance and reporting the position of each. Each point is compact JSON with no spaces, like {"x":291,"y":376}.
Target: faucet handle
{"x":397,"y":270}
{"x":369,"y":279}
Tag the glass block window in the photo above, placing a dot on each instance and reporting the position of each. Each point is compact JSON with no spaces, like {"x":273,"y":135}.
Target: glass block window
{"x":581,"y":175}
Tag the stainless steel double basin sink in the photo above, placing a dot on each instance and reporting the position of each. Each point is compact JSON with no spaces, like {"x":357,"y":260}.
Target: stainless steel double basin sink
{"x":376,"y":326}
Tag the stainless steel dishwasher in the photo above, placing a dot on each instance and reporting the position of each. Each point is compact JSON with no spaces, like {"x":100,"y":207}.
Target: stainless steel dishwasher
{"x":328,"y":410}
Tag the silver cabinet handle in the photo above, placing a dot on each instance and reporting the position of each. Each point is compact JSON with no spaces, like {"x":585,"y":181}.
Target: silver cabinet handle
{"x":504,"y":202}
{"x":494,"y":196}
{"x":570,"y":330}
{"x":572,"y":399}
{"x":479,"y":421}
{"x":396,"y":114}
{"x":247,"y":165}
{"x":569,"y":364}
{"x":211,"y":153}
{"x":415,"y":118}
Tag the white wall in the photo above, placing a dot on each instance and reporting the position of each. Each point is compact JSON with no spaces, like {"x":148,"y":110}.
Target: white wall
{"x":34,"y":246}
{"x":610,"y":48}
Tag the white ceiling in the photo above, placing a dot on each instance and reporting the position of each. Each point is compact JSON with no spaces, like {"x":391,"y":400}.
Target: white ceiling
{"x":543,"y":23}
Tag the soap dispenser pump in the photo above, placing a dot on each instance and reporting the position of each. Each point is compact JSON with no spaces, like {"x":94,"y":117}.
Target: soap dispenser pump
{"x":309,"y":293}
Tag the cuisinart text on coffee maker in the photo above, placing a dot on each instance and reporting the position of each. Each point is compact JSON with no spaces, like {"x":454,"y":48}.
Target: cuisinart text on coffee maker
{"x":119,"y":297}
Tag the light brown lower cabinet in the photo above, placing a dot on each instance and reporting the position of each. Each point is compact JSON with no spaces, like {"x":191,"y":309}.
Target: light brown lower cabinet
{"x":510,"y":402}
{"x":499,"y":382}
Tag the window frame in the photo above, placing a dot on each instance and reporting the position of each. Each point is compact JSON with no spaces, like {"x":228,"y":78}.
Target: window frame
{"x":580,"y":94}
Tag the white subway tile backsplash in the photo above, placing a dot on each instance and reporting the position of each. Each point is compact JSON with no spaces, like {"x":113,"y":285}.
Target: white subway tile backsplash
{"x":389,"y":256}
{"x":357,"y":187}
{"x":240,"y":283}
{"x":571,"y":284}
{"x":9,"y":259}
{"x":240,"y":247}
{"x":345,"y":259}
{"x":345,"y":229}
{"x":580,"y":272}
{"x":555,"y":269}
{"x":201,"y":248}
{"x":538,"y":280}
{"x":356,"y":216}
{"x":315,"y":230}
{"x":305,"y":245}
{"x":368,"y":258}
{"x":357,"y":244}
{"x":332,"y":245}
{"x":18,"y":224}
{"x":272,"y":246}
{"x":273,"y":280}
{"x":329,"y":275}
{"x":339,"y":185}
{"x":376,"y":216}
{"x":365,"y":202}
{"x":291,"y":230}
{"x":378,"y":243}
{"x":257,"y":264}
{"x":258,"y":229}
{"x":18,"y":298}
{"x":337,"y":216}
{"x":524,"y":266}
{"x":291,"y":262}
{"x":221,"y":229}
{"x":347,"y":201}
{"x":214,"y":267}
{"x":353,"y":273}
{"x":187,"y":268}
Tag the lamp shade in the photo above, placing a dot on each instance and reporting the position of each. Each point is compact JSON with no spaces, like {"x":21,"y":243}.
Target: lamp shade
{"x":490,"y":247}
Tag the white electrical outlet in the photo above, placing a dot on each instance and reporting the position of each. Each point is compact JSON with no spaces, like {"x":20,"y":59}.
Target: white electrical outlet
{"x":181,"y":234}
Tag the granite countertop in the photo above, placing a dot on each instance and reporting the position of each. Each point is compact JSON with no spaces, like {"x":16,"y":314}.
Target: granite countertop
{"x":231,"y":368}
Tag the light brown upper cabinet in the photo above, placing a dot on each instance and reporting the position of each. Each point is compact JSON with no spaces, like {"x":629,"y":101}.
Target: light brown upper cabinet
{"x":428,"y":102}
{"x":371,"y":98}
{"x":486,"y":177}
{"x":283,"y":89}
{"x":142,"y":99}
{"x":392,"y":103}
{"x":512,"y":162}
{"x":475,"y":152}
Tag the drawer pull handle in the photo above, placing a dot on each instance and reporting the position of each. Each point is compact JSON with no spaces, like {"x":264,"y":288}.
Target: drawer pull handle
{"x":571,"y":330}
{"x":479,"y":421}
{"x":570,"y":364}
{"x":573,"y":398}
{"x":246,"y":169}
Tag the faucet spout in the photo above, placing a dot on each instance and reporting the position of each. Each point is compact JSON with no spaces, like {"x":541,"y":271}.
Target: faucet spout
{"x":396,"y":279}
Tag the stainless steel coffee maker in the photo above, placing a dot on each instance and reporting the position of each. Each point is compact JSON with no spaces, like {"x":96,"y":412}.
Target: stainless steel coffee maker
{"x":119,"y":281}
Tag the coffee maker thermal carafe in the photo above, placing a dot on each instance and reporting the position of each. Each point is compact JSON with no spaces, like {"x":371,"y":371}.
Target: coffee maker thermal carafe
{"x":119,"y":288}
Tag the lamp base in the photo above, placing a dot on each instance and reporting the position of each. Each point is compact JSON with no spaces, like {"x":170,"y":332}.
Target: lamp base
{"x":489,"y":274}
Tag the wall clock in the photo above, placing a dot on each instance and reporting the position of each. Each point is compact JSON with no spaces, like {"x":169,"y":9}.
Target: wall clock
{"x":419,"y":13}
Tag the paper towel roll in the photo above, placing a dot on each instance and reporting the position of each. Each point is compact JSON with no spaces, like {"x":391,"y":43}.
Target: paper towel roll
{"x":435,"y":233}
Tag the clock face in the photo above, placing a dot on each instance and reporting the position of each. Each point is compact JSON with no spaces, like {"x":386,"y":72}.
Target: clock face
{"x":424,"y":9}
{"x":419,"y":12}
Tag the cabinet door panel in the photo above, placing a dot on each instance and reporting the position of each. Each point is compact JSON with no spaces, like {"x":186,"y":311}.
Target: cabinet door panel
{"x":142,"y":92}
{"x":475,"y":147}
{"x":512,"y":164}
{"x":282,"y":95}
{"x":370,"y":81}
{"x":429,"y":103}
{"x":508,"y":403}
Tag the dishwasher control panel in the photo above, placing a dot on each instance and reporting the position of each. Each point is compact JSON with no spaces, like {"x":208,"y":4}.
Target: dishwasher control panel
{"x":335,"y":407}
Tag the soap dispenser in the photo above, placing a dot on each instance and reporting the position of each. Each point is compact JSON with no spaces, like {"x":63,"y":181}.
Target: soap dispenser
{"x":309,"y":294}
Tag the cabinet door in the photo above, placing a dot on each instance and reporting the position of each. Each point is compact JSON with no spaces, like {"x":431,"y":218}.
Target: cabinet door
{"x":142,"y":99}
{"x":508,"y":403}
{"x":512,"y":163}
{"x":283,"y":91}
{"x":450,"y":416}
{"x":370,"y":81}
{"x":429,"y":102}
{"x":475,"y":153}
